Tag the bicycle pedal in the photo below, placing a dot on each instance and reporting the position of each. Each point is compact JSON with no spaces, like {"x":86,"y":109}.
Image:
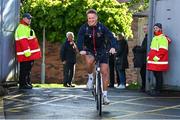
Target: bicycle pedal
{"x":105,"y":103}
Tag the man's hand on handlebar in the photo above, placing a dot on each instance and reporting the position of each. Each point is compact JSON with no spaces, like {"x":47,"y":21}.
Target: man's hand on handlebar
{"x":82,"y":52}
{"x":112,"y":51}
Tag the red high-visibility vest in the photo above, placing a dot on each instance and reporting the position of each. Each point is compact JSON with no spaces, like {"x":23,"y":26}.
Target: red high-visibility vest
{"x":26,"y":40}
{"x":158,"y":49}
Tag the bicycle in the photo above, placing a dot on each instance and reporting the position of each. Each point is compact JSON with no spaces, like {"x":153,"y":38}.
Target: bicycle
{"x":97,"y":90}
{"x":98,"y":86}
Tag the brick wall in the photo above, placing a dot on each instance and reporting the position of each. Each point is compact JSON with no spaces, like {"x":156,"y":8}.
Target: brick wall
{"x":54,"y":68}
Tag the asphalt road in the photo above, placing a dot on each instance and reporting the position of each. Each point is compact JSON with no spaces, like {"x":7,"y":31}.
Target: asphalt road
{"x":78,"y":103}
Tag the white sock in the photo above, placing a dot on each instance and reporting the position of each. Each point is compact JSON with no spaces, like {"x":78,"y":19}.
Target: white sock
{"x":90,"y":75}
{"x":105,"y":93}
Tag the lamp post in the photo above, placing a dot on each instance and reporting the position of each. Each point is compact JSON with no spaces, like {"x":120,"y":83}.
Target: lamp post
{"x":43,"y":59}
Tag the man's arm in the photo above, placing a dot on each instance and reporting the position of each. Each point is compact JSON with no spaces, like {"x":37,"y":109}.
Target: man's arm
{"x":62,"y":53}
{"x":112,"y":40}
{"x":80,"y":41}
{"x":143,"y":47}
{"x":22,"y":37}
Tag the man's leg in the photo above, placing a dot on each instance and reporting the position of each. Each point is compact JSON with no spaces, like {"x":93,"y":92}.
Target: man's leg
{"x":90,"y":66}
{"x":143,"y":77}
{"x":31,"y":63}
{"x":159,"y":80}
{"x":117,"y":78}
{"x":66,"y":74}
{"x":111,"y":71}
{"x":105,"y":77}
{"x":24,"y":72}
{"x":123,"y":78}
{"x":71,"y":70}
{"x":90,"y":63}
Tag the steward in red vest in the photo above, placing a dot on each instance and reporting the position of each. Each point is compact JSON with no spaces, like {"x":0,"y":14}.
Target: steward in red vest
{"x":157,"y":59}
{"x":27,"y":50}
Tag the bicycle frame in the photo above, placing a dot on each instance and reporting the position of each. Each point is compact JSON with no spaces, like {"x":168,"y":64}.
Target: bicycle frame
{"x":98,"y":87}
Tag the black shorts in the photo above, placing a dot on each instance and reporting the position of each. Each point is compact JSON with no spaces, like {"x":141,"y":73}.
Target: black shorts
{"x":104,"y":56}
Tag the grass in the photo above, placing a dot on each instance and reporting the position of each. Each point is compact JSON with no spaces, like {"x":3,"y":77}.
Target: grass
{"x":48,"y":85}
{"x":133,"y":86}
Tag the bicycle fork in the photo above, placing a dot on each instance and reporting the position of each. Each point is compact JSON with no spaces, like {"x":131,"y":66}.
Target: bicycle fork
{"x":99,"y":81}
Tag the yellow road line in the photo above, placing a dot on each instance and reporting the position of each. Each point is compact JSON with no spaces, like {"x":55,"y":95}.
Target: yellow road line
{"x":150,"y":111}
{"x":1,"y":109}
{"x":41,"y":103}
{"x":165,"y":115}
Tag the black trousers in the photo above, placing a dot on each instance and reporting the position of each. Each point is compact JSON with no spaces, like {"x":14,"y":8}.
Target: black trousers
{"x":68,"y":73}
{"x":159,"y":80}
{"x":25,"y":72}
{"x":111,"y":72}
{"x":118,"y":77}
{"x":143,"y":76}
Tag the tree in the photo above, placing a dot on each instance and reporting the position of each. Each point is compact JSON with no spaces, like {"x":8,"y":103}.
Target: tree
{"x":138,"y":5}
{"x":60,"y":16}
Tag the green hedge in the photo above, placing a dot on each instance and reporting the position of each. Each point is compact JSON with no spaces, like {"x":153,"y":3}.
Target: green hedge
{"x":60,"y":16}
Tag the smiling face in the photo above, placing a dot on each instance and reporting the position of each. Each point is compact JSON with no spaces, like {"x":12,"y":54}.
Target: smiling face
{"x":157,"y":29}
{"x":26,"y":20}
{"x":145,"y":29}
{"x":92,"y":19}
{"x":70,"y":38}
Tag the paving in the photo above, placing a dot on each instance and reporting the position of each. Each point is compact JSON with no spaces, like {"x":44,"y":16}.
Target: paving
{"x":78,"y":103}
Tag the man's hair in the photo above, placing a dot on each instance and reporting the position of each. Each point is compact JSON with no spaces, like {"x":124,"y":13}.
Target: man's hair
{"x":70,"y":33}
{"x":121,"y":35}
{"x":91,"y":11}
{"x":159,"y":25}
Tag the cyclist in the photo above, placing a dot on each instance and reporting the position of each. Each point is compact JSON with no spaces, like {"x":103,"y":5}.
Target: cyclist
{"x":91,"y":37}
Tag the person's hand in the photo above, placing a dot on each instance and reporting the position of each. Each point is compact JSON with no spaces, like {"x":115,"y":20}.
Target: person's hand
{"x":82,"y":52}
{"x":71,"y":43}
{"x":112,"y":51}
{"x":64,"y":62}
{"x":27,"y":53}
{"x":156,"y":59}
{"x":134,"y":48}
{"x":147,"y":58}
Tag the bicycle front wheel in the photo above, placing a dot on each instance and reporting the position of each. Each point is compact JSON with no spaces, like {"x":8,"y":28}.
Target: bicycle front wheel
{"x":99,"y":95}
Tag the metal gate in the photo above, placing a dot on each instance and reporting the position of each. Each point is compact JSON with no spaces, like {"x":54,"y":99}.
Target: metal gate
{"x":9,"y":18}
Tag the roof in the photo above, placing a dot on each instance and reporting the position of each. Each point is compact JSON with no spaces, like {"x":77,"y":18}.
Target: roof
{"x":123,"y":0}
{"x":141,"y":14}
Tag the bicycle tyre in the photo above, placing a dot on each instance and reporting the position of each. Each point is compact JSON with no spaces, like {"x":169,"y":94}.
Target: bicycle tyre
{"x":99,"y":95}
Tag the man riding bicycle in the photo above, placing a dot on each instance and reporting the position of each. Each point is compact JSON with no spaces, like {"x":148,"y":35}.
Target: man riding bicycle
{"x":92,"y":38}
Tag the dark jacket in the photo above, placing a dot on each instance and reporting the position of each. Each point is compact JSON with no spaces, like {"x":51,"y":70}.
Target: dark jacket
{"x":140,"y":53}
{"x":111,"y":58}
{"x":87,"y":40}
{"x":121,"y":60}
{"x":68,"y":53}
